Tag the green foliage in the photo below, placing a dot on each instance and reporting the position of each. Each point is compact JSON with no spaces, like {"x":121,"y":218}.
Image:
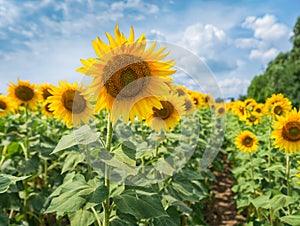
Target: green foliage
{"x":281,"y":76}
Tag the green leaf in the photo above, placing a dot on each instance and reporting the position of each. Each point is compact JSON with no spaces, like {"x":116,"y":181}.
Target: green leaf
{"x":72,"y":196}
{"x":291,"y":219}
{"x":262,"y":201}
{"x":279,"y":201}
{"x":3,"y":218}
{"x":72,"y":161}
{"x":81,"y":218}
{"x":129,"y":149}
{"x":6,"y":180}
{"x":97,"y":197}
{"x":84,"y":135}
{"x":163,"y":221}
{"x":4,"y":184}
{"x":140,"y":204}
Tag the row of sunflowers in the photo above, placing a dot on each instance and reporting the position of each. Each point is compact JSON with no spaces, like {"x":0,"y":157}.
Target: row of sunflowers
{"x":267,"y":168}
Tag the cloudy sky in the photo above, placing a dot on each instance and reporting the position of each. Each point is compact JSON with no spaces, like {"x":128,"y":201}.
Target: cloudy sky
{"x":43,"y":41}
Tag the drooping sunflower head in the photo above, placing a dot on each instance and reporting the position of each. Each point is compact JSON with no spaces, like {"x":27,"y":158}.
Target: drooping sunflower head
{"x":286,"y":132}
{"x":239,"y":109}
{"x":246,"y":141}
{"x":253,"y":118}
{"x":127,"y":74}
{"x":69,"y":103}
{"x":24,"y":93}
{"x":168,"y":115}
{"x":45,"y":89}
{"x":5,"y":105}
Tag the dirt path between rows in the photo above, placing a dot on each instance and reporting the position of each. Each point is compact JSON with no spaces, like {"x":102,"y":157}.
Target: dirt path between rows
{"x":222,"y":210}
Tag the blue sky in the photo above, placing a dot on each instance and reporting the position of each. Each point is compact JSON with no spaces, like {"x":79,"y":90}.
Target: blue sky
{"x":43,"y":41}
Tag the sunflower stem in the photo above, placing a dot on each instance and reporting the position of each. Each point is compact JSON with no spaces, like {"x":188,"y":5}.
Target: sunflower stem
{"x":106,"y":205}
{"x":252,"y":171}
{"x":288,"y":168}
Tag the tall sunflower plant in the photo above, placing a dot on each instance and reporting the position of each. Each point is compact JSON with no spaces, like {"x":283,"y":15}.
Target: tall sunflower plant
{"x":136,"y":170}
{"x":264,"y":159}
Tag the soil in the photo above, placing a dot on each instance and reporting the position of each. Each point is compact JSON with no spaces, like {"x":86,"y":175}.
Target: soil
{"x":222,"y":209}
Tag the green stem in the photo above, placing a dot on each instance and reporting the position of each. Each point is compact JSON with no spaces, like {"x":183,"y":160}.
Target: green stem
{"x":107,"y":172}
{"x":96,"y":216}
{"x":288,"y":167}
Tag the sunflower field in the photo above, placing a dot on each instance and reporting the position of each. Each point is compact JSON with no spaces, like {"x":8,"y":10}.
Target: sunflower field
{"x":134,"y":148}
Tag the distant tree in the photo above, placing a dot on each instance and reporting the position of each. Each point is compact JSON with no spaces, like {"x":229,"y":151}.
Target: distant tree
{"x":281,"y":76}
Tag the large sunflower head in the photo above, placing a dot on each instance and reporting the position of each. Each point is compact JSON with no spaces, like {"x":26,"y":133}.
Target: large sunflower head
{"x":24,"y":93}
{"x":168,"y":115}
{"x":287,"y":132}
{"x":70,"y":103}
{"x":5,"y":106}
{"x":127,"y":76}
{"x":246,"y":141}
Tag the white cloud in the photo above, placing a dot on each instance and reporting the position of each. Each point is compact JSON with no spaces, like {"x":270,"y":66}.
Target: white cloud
{"x":138,"y":5}
{"x":204,"y":39}
{"x":8,"y":13}
{"x":230,"y":87}
{"x":269,"y":38}
{"x":246,"y":43}
{"x":266,"y":28}
{"x":264,"y":56}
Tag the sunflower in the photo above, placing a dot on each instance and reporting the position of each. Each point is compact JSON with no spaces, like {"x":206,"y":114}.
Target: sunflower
{"x":287,"y":132}
{"x":68,"y":102}
{"x":281,"y":108}
{"x":127,"y":76}
{"x":45,"y":90}
{"x":246,"y":141}
{"x":5,"y":106}
{"x":253,"y":118}
{"x":197,"y":98}
{"x":250,"y":103}
{"x":259,"y":109}
{"x":220,"y":109}
{"x":189,"y":105}
{"x":46,"y":109}
{"x":24,"y":93}
{"x":239,"y":109}
{"x":168,"y":116}
{"x":275,"y":98}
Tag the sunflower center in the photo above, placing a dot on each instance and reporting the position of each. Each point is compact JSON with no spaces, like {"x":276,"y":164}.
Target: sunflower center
{"x":47,"y":108}
{"x":258,"y":110}
{"x":165,"y":112}
{"x":291,"y":131}
{"x":126,"y":71}
{"x":180,"y":92}
{"x":2,"y":105}
{"x":73,"y":101}
{"x":277,"y":110}
{"x":46,"y":94}
{"x":221,"y":110}
{"x":24,"y":93}
{"x":248,"y":141}
{"x":188,"y":104}
{"x":196,"y":101}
